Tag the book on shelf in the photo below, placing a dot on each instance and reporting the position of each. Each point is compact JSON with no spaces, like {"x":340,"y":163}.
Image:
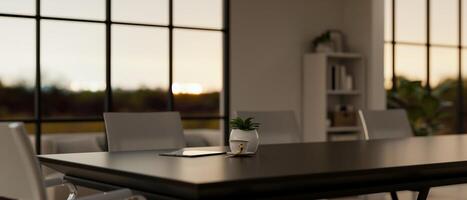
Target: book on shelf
{"x":343,"y":77}
{"x":340,"y":79}
{"x":333,"y":78}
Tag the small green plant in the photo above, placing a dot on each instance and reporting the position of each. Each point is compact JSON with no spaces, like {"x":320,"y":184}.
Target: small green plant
{"x":244,"y":125}
{"x":323,"y":38}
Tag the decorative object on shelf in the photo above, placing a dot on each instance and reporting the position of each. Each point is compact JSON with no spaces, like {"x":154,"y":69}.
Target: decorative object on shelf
{"x":348,"y":85}
{"x":329,"y":41}
{"x":344,"y":115}
{"x":244,"y":134}
{"x":337,"y":37}
{"x":328,"y":122}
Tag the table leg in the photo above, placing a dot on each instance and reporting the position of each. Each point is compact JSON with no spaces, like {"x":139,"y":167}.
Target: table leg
{"x":423,"y":194}
{"x":394,"y":196}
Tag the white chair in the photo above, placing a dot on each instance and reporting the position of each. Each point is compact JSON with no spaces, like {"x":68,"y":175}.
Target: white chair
{"x":275,"y":126}
{"x":20,"y":174}
{"x":143,"y":131}
{"x":385,"y":124}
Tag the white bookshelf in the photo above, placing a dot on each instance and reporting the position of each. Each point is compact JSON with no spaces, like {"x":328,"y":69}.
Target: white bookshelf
{"x":343,"y":129}
{"x":341,"y":55}
{"x":319,"y":98}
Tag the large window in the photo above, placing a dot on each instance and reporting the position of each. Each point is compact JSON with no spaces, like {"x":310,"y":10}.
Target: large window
{"x":65,"y":62}
{"x":425,"y":45}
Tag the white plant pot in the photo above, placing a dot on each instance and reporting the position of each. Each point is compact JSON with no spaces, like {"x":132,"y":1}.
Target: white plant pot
{"x":250,"y":136}
{"x":326,"y":47}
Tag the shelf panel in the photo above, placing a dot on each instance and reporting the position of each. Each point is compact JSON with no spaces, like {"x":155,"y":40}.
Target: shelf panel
{"x":343,"y":92}
{"x":340,"y":55}
{"x":343,"y":129}
{"x":344,"y":55}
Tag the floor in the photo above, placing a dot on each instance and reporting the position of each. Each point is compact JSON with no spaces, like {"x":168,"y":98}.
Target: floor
{"x":458,"y":192}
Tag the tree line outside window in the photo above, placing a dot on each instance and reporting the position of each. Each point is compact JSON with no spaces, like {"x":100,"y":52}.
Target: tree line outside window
{"x":64,"y":63}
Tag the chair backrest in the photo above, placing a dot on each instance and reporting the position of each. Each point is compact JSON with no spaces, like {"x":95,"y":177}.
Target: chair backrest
{"x":276,"y":126}
{"x":143,"y":131}
{"x":20,"y":175}
{"x":385,"y":124}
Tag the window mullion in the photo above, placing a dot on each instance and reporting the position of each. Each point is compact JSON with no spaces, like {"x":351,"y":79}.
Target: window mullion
{"x":108,"y":62}
{"x":38,"y":95}
{"x":171,"y":104}
{"x":393,"y":46}
{"x":428,"y":46}
{"x":460,"y":95}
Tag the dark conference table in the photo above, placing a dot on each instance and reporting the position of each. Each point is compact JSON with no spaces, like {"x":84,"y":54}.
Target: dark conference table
{"x":291,"y":171}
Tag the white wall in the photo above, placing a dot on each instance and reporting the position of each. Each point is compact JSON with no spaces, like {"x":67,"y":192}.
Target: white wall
{"x":364,"y":28}
{"x":269,"y":38}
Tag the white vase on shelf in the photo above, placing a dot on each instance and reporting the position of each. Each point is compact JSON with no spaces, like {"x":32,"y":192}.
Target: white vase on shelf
{"x":251,"y":136}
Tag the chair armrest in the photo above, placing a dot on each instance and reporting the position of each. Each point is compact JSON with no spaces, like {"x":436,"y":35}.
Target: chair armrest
{"x":55,"y":180}
{"x":58,"y":180}
{"x":121,"y":194}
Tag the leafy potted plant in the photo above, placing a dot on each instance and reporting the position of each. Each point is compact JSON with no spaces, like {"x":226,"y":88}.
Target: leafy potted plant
{"x":245,"y":130}
{"x":426,"y":109}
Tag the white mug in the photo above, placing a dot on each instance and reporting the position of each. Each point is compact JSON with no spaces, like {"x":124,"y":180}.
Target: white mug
{"x":238,"y":146}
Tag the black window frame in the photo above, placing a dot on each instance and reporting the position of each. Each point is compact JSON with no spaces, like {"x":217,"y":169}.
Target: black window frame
{"x":38,"y":118}
{"x":428,"y":44}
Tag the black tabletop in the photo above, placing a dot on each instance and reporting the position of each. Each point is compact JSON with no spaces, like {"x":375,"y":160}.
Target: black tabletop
{"x":286,"y":167}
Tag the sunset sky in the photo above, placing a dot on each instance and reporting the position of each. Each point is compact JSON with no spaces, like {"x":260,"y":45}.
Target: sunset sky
{"x":73,"y":53}
{"x":411,"y":27}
